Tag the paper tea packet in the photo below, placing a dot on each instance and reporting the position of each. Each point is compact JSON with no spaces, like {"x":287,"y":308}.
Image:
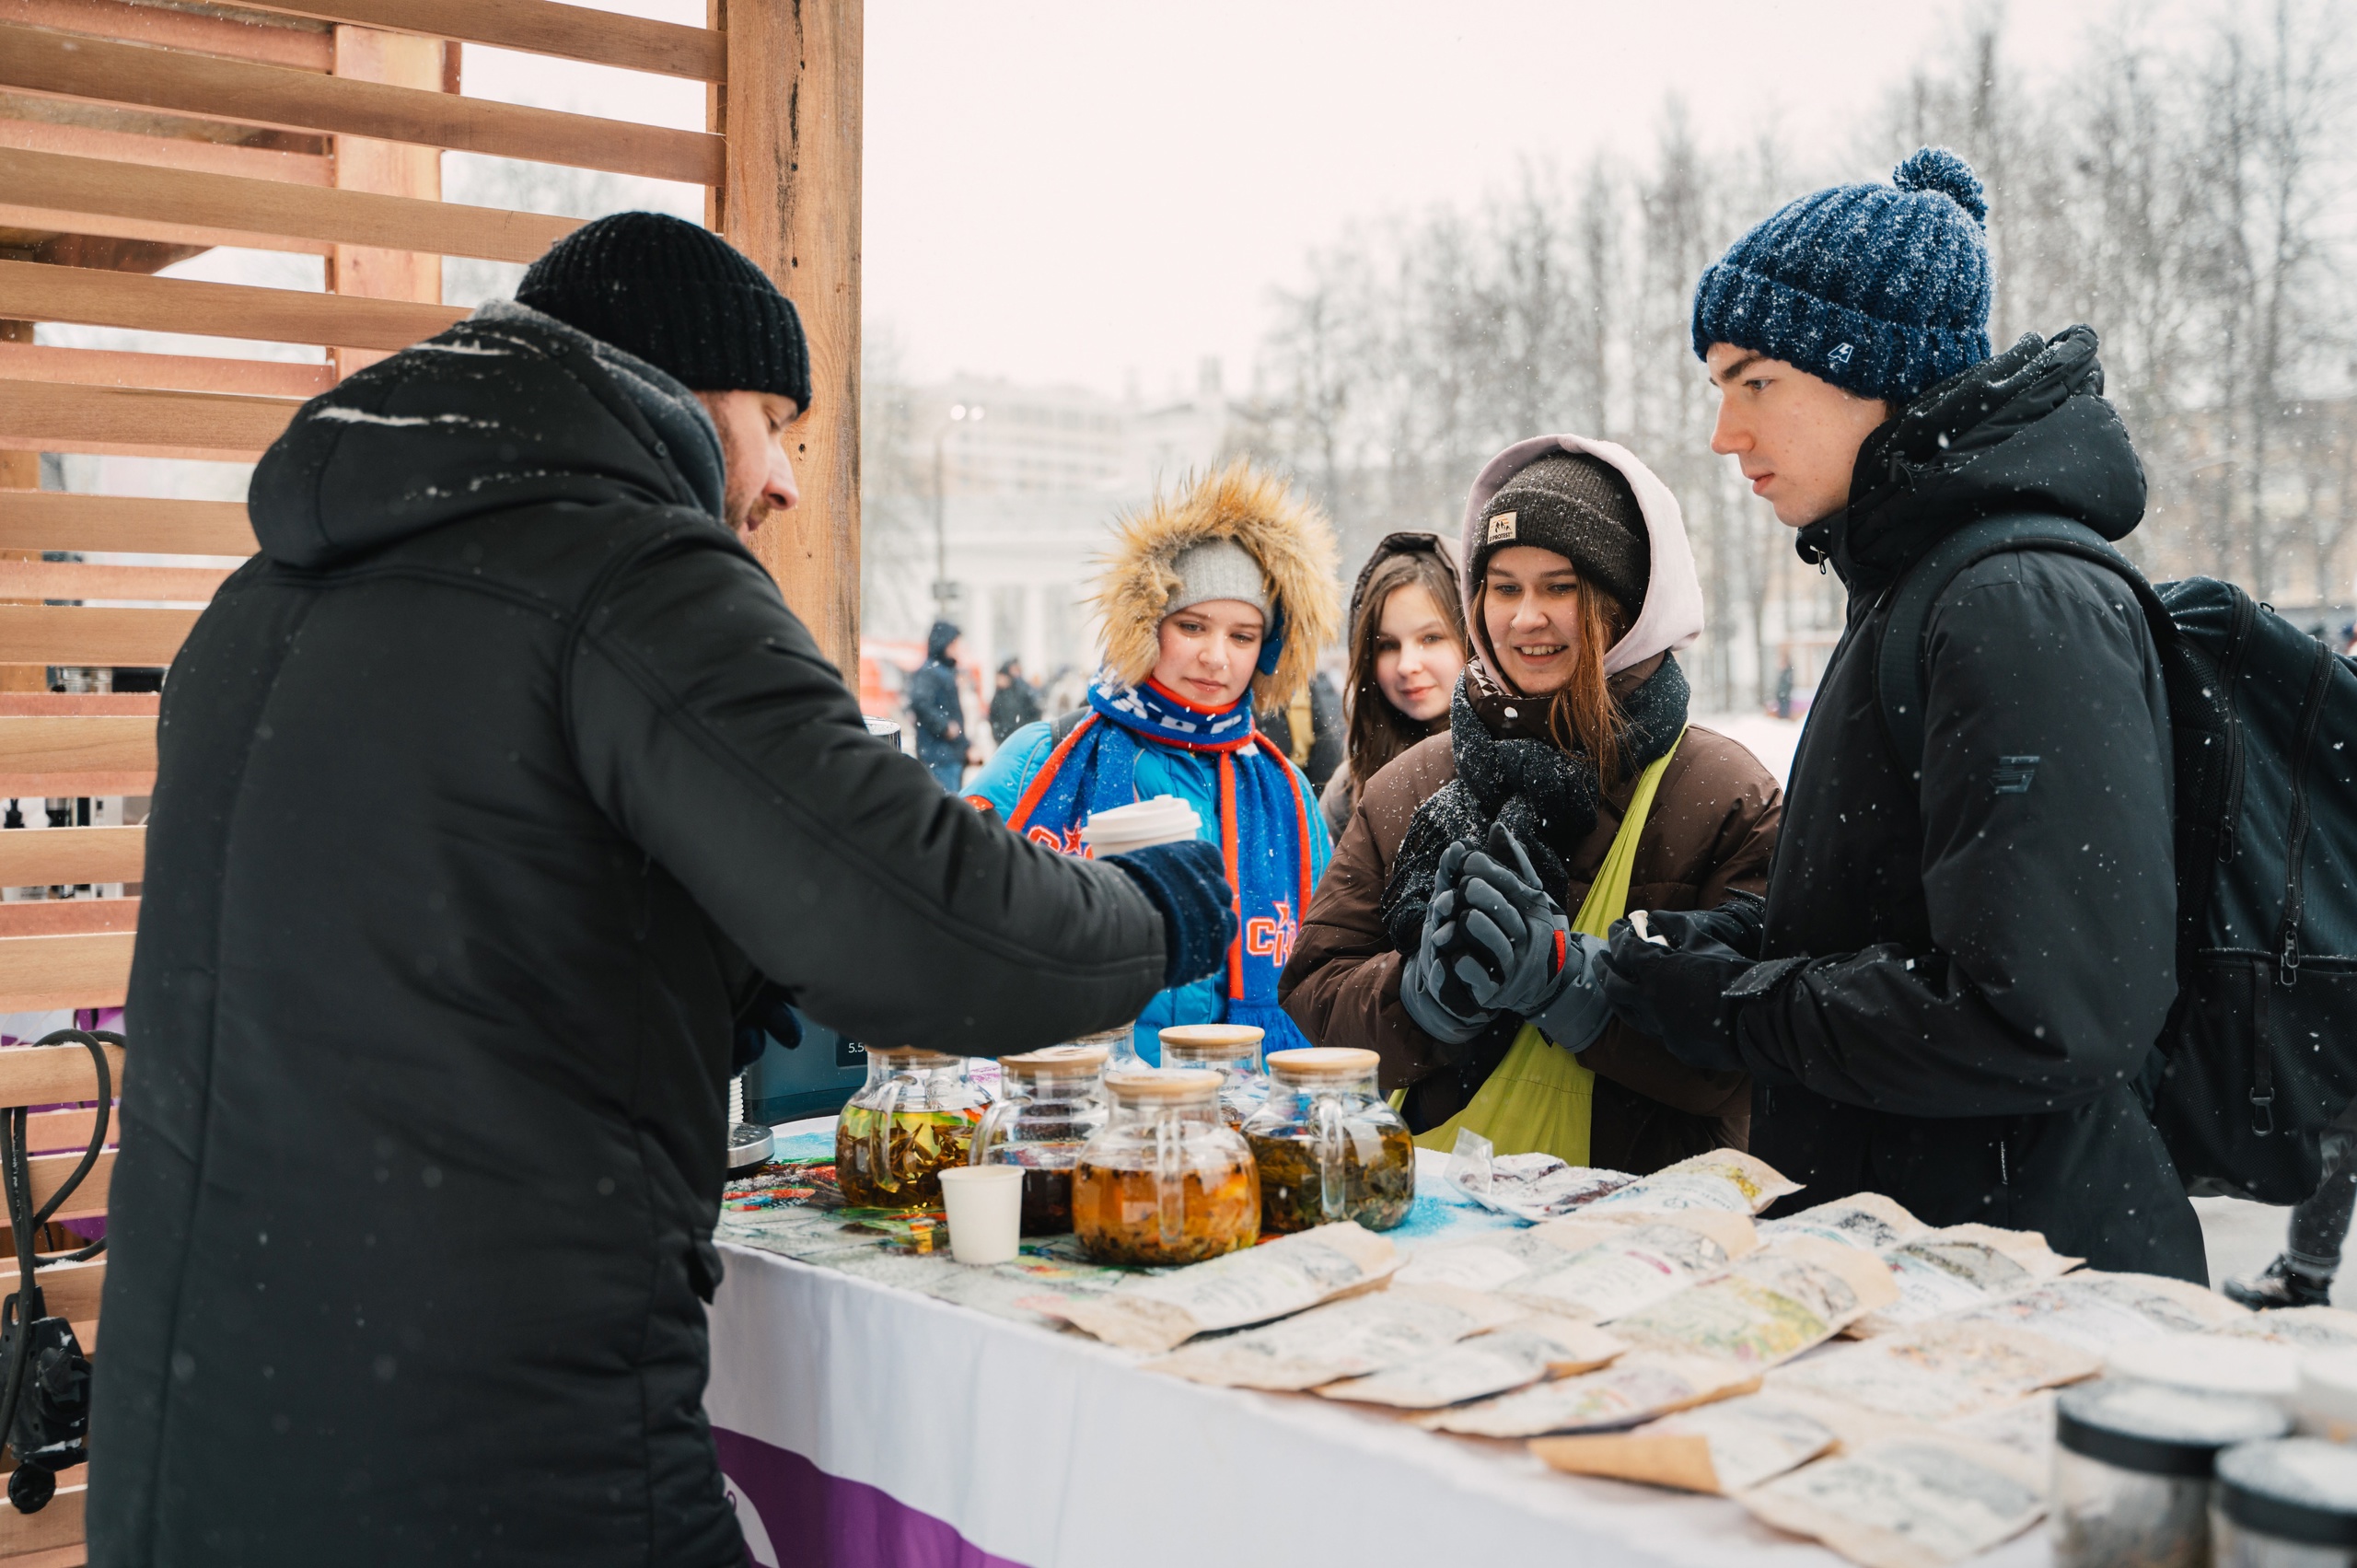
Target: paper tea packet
{"x":1526,"y":1351}
{"x":1866,"y":1220}
{"x":1962,"y":1266}
{"x":1528,"y":1187}
{"x":1162,"y":1311}
{"x":1725,"y":1179}
{"x":1606,"y":1271}
{"x":1636,"y":1387}
{"x":1770,"y":1306}
{"x":1720,"y":1448}
{"x":1939,"y":1372}
{"x":1908,"y":1502}
{"x":1344,"y":1338}
{"x":2096,"y":1311}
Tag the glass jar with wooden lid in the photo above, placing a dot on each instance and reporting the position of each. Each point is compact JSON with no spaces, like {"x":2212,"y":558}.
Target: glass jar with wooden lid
{"x":1327,"y":1146}
{"x":1166,"y":1180}
{"x":1232,"y":1050}
{"x":915,"y":1114}
{"x":1050,"y":1102}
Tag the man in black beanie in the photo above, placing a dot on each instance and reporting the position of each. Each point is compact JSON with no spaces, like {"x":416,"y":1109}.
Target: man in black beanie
{"x":491,"y":796}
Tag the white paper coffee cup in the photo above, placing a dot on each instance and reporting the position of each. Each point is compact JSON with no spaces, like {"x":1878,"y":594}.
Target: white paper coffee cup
{"x":985,"y":1205}
{"x":1164,"y":819}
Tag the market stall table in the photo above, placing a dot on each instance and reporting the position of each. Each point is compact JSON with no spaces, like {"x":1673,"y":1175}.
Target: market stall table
{"x":862,"y":1423}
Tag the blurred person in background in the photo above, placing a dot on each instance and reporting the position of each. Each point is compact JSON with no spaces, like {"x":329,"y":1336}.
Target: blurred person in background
{"x":1454,"y":933}
{"x":1308,"y":729}
{"x":1015,"y":703}
{"x":938,"y":709}
{"x":1215,"y":603}
{"x":1407,"y":648}
{"x":490,"y":793}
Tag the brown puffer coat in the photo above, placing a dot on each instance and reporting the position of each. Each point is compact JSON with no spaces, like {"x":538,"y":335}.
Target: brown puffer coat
{"x":1711,"y":830}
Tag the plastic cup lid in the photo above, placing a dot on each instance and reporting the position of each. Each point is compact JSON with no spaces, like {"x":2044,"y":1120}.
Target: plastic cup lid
{"x":2299,"y":1489}
{"x":1165,"y":1084}
{"x":2213,"y":1362}
{"x":2154,"y":1429}
{"x":1323,"y":1061}
{"x":1164,"y":819}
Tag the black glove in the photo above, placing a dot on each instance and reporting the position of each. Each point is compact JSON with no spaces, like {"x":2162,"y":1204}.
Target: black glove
{"x":1738,"y":923}
{"x":1434,"y":996}
{"x":1188,"y":882}
{"x":1519,"y":954}
{"x":1678,"y":993}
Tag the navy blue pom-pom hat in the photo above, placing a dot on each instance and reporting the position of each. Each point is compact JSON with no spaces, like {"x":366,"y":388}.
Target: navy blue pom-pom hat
{"x":1880,"y":289}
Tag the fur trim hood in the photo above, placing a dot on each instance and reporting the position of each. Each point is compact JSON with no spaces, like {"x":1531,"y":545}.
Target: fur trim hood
{"x":1671,"y":617}
{"x":1289,"y":536}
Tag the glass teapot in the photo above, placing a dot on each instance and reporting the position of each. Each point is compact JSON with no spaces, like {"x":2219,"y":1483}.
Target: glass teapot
{"x":1232,"y":1050}
{"x":1166,"y":1180}
{"x":1050,"y":1102}
{"x":1327,"y":1146}
{"x":915,"y":1114}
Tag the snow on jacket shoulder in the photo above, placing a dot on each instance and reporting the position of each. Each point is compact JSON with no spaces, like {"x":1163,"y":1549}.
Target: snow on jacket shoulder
{"x":487,"y":794}
{"x":1193,"y":777}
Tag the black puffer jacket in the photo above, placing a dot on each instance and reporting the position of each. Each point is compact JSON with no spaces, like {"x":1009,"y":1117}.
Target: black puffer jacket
{"x":486,"y":793}
{"x":1985,"y":968}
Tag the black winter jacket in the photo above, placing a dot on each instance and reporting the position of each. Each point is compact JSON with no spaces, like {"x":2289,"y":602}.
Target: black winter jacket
{"x":1986,"y":967}
{"x":487,"y":794}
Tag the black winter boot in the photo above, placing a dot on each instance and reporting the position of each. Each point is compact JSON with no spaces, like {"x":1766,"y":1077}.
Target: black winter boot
{"x":2282,"y":1285}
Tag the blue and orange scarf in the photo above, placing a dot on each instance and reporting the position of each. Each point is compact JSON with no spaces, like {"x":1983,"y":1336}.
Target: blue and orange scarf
{"x":1264,"y":822}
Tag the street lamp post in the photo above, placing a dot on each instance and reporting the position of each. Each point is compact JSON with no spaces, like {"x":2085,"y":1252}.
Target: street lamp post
{"x":943,"y":590}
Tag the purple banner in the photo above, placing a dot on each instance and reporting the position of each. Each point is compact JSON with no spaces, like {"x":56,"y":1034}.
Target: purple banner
{"x":797,"y":1516}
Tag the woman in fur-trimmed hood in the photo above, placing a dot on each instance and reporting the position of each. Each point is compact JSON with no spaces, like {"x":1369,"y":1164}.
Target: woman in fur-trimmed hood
{"x":1215,"y":602}
{"x":1579,"y":589}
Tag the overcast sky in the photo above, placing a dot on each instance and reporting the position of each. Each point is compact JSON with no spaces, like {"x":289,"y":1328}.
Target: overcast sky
{"x":1086,"y":192}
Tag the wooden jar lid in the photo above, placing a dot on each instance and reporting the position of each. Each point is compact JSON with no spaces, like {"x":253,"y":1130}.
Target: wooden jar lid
{"x":913,"y":1058}
{"x":1209,"y":1040}
{"x":1324,"y":1062}
{"x":1166,"y":1084}
{"x":1056,"y":1061}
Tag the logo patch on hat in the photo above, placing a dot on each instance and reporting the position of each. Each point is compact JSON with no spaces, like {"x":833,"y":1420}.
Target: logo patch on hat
{"x":1839,"y":357}
{"x":1500,"y":526}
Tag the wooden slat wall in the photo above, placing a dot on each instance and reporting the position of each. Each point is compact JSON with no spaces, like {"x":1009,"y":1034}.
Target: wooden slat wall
{"x":133,"y":135}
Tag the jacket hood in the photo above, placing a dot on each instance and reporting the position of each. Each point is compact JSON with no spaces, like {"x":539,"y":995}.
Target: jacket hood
{"x":1671,"y":617}
{"x":2028,"y":430}
{"x":938,"y":641}
{"x":1408,"y":542}
{"x":508,"y":408}
{"x":1290,"y":538}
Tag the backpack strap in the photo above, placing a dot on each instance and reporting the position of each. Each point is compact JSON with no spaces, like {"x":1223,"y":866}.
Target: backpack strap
{"x":1061,"y":730}
{"x":1899,"y":657}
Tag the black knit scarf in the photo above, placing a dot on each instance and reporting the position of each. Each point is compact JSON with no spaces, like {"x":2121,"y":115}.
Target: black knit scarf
{"x":1509,"y":770}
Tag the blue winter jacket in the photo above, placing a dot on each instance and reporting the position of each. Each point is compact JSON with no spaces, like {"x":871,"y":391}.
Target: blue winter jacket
{"x":1193,"y":777}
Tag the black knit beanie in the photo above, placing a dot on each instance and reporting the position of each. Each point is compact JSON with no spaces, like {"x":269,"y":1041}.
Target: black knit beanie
{"x":678,"y":296}
{"x":1576,"y":505}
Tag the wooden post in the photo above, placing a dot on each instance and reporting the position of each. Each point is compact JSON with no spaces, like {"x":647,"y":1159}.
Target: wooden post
{"x":790,"y":111}
{"x":393,"y":168}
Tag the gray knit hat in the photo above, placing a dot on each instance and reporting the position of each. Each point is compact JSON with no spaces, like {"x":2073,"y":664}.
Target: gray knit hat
{"x":1218,"y":568}
{"x":1576,"y":505}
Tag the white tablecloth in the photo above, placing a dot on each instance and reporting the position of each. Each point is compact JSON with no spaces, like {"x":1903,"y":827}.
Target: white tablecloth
{"x":1052,"y":1451}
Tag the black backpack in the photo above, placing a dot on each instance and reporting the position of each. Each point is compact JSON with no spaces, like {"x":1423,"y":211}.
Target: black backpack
{"x":2259,"y":1052}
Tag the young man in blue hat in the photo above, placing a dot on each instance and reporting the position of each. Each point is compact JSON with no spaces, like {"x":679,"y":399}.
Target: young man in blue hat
{"x":1964,"y":955}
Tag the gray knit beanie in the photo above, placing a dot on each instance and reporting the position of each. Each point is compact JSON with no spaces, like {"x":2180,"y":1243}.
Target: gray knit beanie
{"x":1576,"y":505}
{"x":1218,"y":568}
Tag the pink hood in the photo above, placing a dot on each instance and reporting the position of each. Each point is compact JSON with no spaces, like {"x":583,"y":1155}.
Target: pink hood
{"x":1671,"y":617}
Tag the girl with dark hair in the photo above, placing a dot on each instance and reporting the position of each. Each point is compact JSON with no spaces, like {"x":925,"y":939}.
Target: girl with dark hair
{"x":1451,"y":933}
{"x":1407,"y":631}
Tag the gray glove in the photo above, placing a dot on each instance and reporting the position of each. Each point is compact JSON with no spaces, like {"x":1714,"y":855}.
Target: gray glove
{"x":1518,"y":953}
{"x":1436,"y":999}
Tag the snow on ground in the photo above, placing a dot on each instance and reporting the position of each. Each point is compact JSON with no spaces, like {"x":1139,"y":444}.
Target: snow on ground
{"x":2242,"y":1237}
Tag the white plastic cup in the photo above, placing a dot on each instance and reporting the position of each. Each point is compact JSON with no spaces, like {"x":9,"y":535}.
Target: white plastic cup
{"x":1164,"y":819}
{"x":985,"y":1205}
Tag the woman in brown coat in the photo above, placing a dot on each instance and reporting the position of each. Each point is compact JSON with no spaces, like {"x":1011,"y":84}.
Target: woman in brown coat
{"x":1579,"y":586}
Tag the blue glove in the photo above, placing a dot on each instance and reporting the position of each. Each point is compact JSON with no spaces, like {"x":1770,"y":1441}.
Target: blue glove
{"x":1435,"y":998}
{"x":1188,"y":882}
{"x":1520,"y":955}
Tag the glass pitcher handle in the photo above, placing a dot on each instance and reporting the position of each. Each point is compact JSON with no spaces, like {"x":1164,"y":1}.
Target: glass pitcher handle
{"x":993,"y":1126}
{"x":1329,"y":1139}
{"x":879,"y":1140}
{"x":1169,"y":1187}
